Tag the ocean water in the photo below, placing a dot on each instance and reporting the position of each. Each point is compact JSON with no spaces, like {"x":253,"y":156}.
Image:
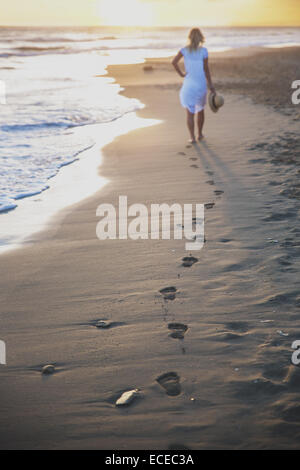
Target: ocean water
{"x":55,"y":82}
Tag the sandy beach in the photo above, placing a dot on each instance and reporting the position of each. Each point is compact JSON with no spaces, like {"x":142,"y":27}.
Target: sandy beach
{"x":233,"y":385}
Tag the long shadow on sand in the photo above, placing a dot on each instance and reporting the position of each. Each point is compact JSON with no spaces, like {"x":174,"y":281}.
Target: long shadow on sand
{"x":207,"y":156}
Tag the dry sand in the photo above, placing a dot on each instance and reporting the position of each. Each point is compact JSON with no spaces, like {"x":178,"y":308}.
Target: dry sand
{"x":233,"y":385}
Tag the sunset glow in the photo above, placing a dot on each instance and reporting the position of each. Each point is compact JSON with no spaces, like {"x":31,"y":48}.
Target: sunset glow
{"x":150,"y":12}
{"x":125,"y":13}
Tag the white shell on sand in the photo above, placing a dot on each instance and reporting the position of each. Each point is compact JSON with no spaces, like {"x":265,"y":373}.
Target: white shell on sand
{"x":103,"y":324}
{"x":49,"y":369}
{"x":127,"y":397}
{"x":281,"y":333}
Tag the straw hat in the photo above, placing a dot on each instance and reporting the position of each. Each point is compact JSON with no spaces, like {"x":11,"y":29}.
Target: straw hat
{"x":215,"y":101}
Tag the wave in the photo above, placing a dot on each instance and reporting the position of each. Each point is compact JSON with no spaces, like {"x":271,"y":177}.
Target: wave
{"x":62,"y":39}
{"x":38,"y":126}
{"x":30,"y":193}
{"x":170,"y":48}
{"x":57,"y":39}
{"x":7,"y":207}
{"x":8,"y":203}
{"x":38,"y":49}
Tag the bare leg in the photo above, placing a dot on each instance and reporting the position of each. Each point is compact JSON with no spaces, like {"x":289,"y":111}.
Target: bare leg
{"x":200,"y":124}
{"x":191,"y":125}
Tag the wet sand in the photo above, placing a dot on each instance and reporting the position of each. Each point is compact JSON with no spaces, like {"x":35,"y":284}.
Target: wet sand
{"x":211,"y":355}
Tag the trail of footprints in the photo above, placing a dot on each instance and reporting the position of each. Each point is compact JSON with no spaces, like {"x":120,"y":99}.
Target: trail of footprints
{"x":236,"y":331}
{"x":217,"y":192}
{"x":170,"y":381}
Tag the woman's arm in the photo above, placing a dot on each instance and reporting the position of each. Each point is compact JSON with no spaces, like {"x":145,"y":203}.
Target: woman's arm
{"x":175,"y":64}
{"x":208,"y":76}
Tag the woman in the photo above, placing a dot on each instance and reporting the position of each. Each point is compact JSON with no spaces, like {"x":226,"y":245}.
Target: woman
{"x":194,"y":89}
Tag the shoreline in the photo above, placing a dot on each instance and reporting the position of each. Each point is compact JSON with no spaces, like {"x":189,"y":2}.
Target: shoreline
{"x":236,"y":386}
{"x":28,"y":206}
{"x":37,"y":216}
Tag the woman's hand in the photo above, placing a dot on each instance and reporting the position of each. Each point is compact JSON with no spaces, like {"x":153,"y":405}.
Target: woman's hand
{"x":212,"y":89}
{"x":175,"y":64}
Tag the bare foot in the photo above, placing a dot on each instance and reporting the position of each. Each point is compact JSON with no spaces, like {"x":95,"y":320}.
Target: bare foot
{"x":192,"y":141}
{"x":200,"y":137}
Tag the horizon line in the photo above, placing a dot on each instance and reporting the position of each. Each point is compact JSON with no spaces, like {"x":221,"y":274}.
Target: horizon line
{"x":147,"y":26}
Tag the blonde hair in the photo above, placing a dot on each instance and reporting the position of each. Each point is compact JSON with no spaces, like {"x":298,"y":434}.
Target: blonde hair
{"x":195,"y":38}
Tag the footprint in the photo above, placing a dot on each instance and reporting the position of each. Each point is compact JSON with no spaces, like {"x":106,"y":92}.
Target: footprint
{"x":211,"y":182}
{"x":224,"y":240}
{"x":181,"y":153}
{"x":188,"y":146}
{"x":218,"y":192}
{"x":170,"y":381}
{"x":194,"y":166}
{"x":209,"y":205}
{"x":193,"y":158}
{"x":188,"y":261}
{"x":210,"y":173}
{"x":168,"y":293}
{"x":177,"y":330}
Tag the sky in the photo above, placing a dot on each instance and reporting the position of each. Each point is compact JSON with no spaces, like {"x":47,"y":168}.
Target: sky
{"x":150,"y":12}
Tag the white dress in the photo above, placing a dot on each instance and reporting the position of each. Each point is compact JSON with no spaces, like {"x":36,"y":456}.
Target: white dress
{"x":194,"y":89}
